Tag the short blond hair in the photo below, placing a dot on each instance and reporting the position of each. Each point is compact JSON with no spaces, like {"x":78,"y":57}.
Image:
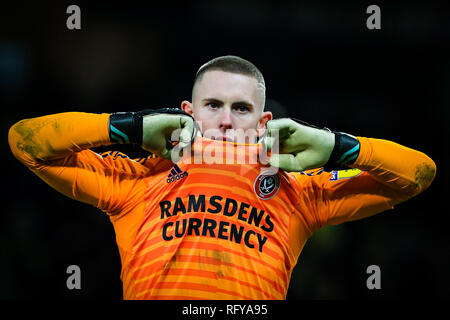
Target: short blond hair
{"x":233,"y":64}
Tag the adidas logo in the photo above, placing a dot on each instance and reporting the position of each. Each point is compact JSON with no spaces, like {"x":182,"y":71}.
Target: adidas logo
{"x":176,"y":174}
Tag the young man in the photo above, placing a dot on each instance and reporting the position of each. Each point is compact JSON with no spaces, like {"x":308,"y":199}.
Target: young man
{"x":219,"y":229}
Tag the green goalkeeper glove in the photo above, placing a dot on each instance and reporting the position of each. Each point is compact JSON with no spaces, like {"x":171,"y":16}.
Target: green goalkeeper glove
{"x":303,"y":146}
{"x":155,"y":131}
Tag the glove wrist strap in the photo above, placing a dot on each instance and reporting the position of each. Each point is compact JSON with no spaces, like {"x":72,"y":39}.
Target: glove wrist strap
{"x":345,"y":151}
{"x":125,"y":128}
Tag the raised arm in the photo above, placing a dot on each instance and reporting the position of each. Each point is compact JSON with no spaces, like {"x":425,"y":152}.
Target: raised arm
{"x":34,"y":141}
{"x":388,"y":174}
{"x":56,"y":148}
{"x":403,"y":169}
{"x":385,"y":174}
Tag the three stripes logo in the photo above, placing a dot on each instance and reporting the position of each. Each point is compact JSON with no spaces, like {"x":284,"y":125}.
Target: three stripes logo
{"x":176,"y":174}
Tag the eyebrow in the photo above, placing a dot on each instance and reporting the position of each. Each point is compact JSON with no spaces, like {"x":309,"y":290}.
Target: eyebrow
{"x":243,"y":102}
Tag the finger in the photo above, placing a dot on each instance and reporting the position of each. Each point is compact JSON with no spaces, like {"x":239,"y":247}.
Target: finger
{"x":287,"y":162}
{"x":279,"y":127}
{"x":275,"y":143}
{"x":175,"y":154}
{"x":282,"y":131}
{"x":271,"y":137}
{"x":269,"y":143}
{"x":197,"y":130}
{"x":187,"y":131}
{"x":165,"y":153}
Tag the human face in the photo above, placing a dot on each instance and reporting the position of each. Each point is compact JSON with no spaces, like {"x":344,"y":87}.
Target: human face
{"x":224,"y":103}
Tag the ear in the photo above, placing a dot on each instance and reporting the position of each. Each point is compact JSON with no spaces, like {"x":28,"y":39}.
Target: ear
{"x":186,"y":106}
{"x":266,"y":116}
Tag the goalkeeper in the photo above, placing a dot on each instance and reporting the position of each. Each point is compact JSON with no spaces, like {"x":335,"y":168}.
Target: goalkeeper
{"x":189,"y":230}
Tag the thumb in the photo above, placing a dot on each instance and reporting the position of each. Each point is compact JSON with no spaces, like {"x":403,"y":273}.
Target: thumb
{"x":286,"y":162}
{"x":187,"y":131}
{"x":270,"y":143}
{"x":166,"y":153}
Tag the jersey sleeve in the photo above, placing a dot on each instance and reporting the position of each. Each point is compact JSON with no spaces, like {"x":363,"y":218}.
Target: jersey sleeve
{"x":384,"y":175}
{"x":111,"y":184}
{"x":56,"y":149}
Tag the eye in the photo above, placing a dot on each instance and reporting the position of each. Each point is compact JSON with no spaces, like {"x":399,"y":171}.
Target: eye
{"x":212,"y":105}
{"x":242,"y":109}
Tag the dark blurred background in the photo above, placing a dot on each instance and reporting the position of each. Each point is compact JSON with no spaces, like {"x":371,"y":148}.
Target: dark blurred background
{"x":321,"y":64}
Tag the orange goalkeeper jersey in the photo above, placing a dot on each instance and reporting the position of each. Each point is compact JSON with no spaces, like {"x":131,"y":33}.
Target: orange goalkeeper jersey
{"x":212,"y":228}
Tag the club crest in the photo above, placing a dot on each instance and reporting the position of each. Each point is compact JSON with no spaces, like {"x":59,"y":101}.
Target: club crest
{"x":266,"y":186}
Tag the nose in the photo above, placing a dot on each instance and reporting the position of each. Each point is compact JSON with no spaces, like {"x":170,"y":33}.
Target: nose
{"x":225,"y":120}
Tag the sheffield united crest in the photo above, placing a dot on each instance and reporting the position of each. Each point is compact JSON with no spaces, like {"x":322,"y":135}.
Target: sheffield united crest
{"x":266,"y":185}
